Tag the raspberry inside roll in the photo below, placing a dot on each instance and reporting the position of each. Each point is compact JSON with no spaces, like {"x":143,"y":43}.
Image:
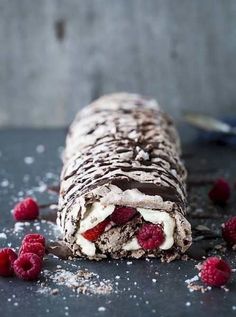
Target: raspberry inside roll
{"x":123,"y":182}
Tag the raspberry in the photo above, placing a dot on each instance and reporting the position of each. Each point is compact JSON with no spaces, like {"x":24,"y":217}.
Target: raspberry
{"x":229,"y":231}
{"x":150,"y":236}
{"x":121,"y":215}
{"x":215,"y":271}
{"x":35,"y":248}
{"x":34,"y":238}
{"x":27,"y":209}
{"x":7,"y":258}
{"x":220,"y":191}
{"x":28,"y":266}
{"x":94,"y":233}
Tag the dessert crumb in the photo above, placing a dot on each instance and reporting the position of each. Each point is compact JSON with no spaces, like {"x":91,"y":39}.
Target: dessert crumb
{"x":3,"y":235}
{"x":101,"y":308}
{"x":40,"y":148}
{"x":29,"y":160}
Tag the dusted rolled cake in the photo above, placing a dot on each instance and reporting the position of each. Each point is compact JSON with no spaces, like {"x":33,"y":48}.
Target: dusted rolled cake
{"x":122,"y":188}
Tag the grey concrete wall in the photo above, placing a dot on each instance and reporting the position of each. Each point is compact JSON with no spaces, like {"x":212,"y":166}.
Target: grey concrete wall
{"x":57,"y":55}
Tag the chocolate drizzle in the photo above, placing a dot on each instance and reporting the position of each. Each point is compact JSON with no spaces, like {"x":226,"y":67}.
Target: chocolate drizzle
{"x":167,"y":193}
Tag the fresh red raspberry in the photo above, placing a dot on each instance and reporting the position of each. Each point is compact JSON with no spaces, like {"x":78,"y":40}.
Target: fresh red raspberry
{"x":229,"y":231}
{"x":220,"y":191}
{"x":94,"y":233}
{"x":215,"y":271}
{"x":121,"y":215}
{"x":150,"y":236}
{"x":28,"y":266}
{"x":34,"y":238}
{"x":27,"y":209}
{"x":35,"y":248}
{"x":7,"y":258}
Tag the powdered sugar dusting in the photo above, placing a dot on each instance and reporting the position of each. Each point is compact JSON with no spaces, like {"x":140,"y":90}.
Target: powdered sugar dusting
{"x":80,"y":282}
{"x":19,"y":226}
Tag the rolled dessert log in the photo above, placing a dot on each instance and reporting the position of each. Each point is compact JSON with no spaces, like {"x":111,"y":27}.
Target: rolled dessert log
{"x":123,"y":191}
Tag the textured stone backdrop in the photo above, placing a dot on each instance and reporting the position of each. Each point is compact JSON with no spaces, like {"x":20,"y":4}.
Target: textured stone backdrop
{"x":57,"y":55}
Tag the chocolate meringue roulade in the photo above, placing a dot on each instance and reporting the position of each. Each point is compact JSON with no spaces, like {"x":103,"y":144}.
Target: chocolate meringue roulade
{"x":122,"y":188}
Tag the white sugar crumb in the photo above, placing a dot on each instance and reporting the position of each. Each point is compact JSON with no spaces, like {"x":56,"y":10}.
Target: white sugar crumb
{"x":194,"y":286}
{"x":50,"y":175}
{"x":154,"y":280}
{"x":101,"y":308}
{"x":42,"y":187}
{"x":129,"y":262}
{"x":193,"y":279}
{"x":5,"y":183}
{"x":26,"y":178}
{"x":226,"y":289}
{"x":29,"y":160}
{"x":40,"y":148}
{"x":80,"y":282}
{"x":187,"y":304}
{"x":19,"y":226}
{"x":53,"y":207}
{"x":3,"y":235}
{"x":233,"y":307}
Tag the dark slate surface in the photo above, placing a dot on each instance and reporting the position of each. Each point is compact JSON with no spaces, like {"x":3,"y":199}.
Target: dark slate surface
{"x":135,"y":293}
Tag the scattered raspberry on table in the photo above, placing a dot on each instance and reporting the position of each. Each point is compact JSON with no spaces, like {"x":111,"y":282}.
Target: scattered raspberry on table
{"x":220,"y":192}
{"x":7,"y":259}
{"x":215,"y":271}
{"x":27,"y":209}
{"x":229,"y":231}
{"x":28,"y":266}
{"x":34,"y":238}
{"x":36,"y":248}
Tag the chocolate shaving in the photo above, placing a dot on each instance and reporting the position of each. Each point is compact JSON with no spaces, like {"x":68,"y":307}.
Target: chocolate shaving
{"x":59,"y":249}
{"x":54,"y":188}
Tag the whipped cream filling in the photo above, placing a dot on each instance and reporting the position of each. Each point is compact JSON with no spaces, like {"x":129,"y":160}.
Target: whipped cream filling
{"x":97,"y":212}
{"x":87,"y":247}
